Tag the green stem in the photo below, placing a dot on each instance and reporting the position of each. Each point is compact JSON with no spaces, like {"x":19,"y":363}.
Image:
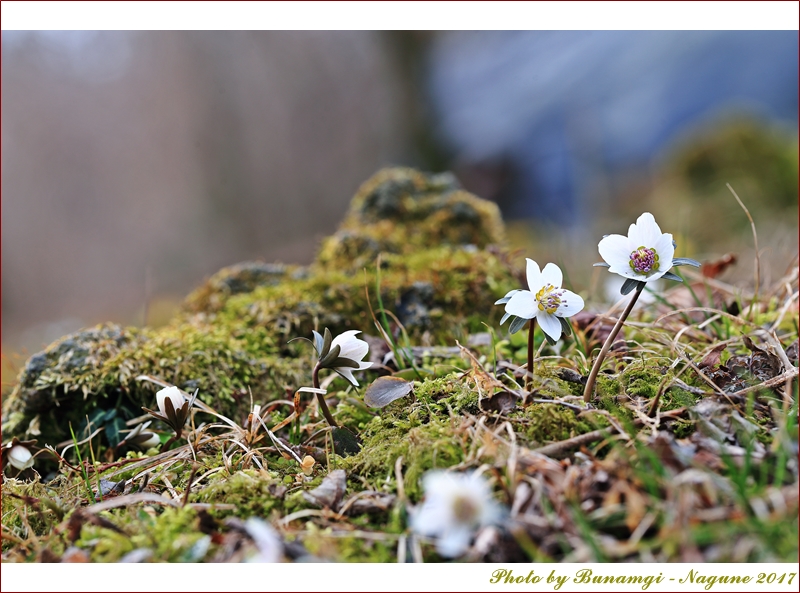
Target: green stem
{"x":321,"y":398}
{"x":529,"y":373}
{"x":589,"y":390}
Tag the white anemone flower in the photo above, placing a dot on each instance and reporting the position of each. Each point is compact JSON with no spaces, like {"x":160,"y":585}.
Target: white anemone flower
{"x":351,"y":348}
{"x":173,"y":394}
{"x":455,"y":506}
{"x":20,"y":457}
{"x":546,"y":300}
{"x":645,"y":255}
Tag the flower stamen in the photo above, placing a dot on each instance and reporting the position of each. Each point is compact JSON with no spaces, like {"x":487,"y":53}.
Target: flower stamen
{"x":549,"y":299}
{"x":465,"y":510}
{"x":644,"y":260}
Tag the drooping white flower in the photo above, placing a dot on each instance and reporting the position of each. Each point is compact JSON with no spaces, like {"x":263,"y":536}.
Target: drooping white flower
{"x":546,"y":300}
{"x":350,"y":349}
{"x":169,"y":393}
{"x":646,"y":254}
{"x":20,"y":457}
{"x":173,"y":408}
{"x":455,"y":506}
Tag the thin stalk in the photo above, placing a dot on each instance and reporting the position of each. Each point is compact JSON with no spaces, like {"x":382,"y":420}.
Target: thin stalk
{"x":589,"y":391}
{"x":529,"y":374}
{"x":321,"y":398}
{"x":172,"y":439}
{"x":82,"y":466}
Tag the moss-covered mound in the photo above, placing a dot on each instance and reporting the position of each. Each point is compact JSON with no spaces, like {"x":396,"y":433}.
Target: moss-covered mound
{"x":436,"y":279}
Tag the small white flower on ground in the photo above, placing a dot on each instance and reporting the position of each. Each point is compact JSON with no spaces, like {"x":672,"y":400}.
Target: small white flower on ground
{"x":354,"y":349}
{"x":173,"y":394}
{"x":455,"y":506}
{"x":546,"y":300}
{"x":644,"y":255}
{"x":20,"y":457}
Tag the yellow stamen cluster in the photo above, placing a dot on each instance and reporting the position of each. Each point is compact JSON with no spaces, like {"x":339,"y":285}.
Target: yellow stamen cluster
{"x":549,"y":299}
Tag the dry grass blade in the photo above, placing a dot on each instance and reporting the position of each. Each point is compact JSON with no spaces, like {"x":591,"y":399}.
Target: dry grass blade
{"x":758,"y":255}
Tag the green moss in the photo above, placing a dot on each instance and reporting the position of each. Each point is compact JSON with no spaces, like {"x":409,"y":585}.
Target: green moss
{"x":402,"y":211}
{"x":539,"y":424}
{"x":231,"y":336}
{"x":252,"y":492}
{"x":425,"y":439}
{"x":172,"y":535}
{"x":21,"y":518}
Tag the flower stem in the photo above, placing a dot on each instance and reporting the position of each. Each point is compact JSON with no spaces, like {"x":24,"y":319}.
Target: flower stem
{"x":529,"y":373}
{"x":172,"y":439}
{"x":321,"y":398}
{"x":588,"y":392}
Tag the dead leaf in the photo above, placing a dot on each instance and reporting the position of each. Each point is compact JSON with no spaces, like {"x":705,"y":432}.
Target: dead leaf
{"x":384,"y":390}
{"x":500,"y":402}
{"x":763,"y":365}
{"x":791,"y":352}
{"x":714,"y":268}
{"x":329,"y":494}
{"x":712,"y":358}
{"x":570,"y":375}
{"x":597,"y":329}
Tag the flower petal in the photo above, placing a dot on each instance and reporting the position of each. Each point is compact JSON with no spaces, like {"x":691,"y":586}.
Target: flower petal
{"x":175,"y":396}
{"x":571,"y":303}
{"x":645,"y":232}
{"x":552,"y":275}
{"x":666,"y":251}
{"x":616,"y":251}
{"x":549,"y":324}
{"x":347,"y":373}
{"x":522,"y":304}
{"x":350,"y":346}
{"x":454,"y":542}
{"x":534,"y":276}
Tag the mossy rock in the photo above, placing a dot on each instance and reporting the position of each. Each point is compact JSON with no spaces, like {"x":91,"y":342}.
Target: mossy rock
{"x":231,"y":337}
{"x":403,"y":211}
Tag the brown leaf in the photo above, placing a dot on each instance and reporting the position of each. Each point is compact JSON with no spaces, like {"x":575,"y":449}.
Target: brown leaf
{"x":763,"y":364}
{"x":500,"y":402}
{"x":714,"y":268}
{"x":712,"y":358}
{"x":329,"y":494}
{"x":597,"y":330}
{"x":384,"y":390}
{"x":791,"y":352}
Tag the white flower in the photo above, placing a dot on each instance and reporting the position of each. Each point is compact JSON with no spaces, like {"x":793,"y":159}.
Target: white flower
{"x":353,"y":349}
{"x":266,"y":539}
{"x":173,"y":394}
{"x":455,"y":506}
{"x":20,"y":457}
{"x":546,"y":300}
{"x":644,"y":255}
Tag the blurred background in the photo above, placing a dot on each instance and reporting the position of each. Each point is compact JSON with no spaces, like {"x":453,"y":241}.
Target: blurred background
{"x":135,"y":164}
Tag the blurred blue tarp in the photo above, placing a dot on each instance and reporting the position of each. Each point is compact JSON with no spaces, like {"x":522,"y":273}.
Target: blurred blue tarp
{"x":557,"y":107}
